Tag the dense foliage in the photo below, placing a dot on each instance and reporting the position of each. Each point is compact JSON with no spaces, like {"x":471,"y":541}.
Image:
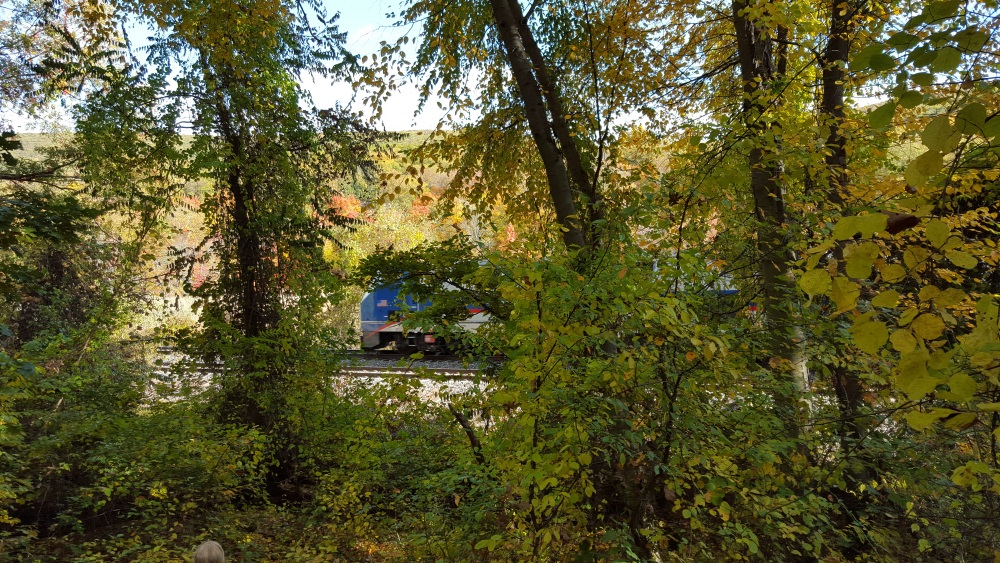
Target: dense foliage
{"x":740,"y":261}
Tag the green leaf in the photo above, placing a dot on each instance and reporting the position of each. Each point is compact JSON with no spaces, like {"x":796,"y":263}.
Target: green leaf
{"x":922,"y":78}
{"x":992,"y":127}
{"x":941,"y":9}
{"x":937,"y":232}
{"x":971,"y":39}
{"x":862,"y":59}
{"x":923,"y":167}
{"x":870,"y":336}
{"x":971,"y":119}
{"x":923,"y":55}
{"x":901,"y":41}
{"x":815,"y":282}
{"x":881,"y":117}
{"x":915,"y":21}
{"x":939,"y":135}
{"x":928,"y":326}
{"x":887,"y":299}
{"x":911,"y":99}
{"x":880,"y":62}
{"x":962,"y":259}
{"x":947,"y":60}
{"x":963,"y":387}
{"x":26,"y":369}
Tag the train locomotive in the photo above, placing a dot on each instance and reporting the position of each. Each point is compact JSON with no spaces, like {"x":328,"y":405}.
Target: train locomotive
{"x":383,"y":311}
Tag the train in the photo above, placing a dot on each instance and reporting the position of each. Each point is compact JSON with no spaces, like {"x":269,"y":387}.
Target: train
{"x":382,"y":313}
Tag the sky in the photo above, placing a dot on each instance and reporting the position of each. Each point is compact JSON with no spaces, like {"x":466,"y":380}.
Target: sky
{"x":366,"y":25}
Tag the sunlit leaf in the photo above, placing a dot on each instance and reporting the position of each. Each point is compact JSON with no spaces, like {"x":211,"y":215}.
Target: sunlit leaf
{"x":923,"y":167}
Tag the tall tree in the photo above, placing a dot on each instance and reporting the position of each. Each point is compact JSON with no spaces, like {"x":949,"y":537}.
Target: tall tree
{"x":762,"y":73}
{"x":236,"y":67}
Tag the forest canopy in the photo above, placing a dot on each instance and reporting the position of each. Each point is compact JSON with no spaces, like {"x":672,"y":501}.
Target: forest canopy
{"x":738,"y":262}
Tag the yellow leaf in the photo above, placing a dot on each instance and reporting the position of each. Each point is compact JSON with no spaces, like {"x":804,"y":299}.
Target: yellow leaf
{"x":928,"y":292}
{"x":949,"y":297}
{"x":922,"y":420}
{"x":962,"y":259}
{"x":903,"y":341}
{"x":920,"y":387}
{"x":928,"y":326}
{"x":961,"y":421}
{"x":887,"y":299}
{"x":860,"y":258}
{"x":815,"y":282}
{"x":845,"y":294}
{"x":893,"y":272}
{"x":962,"y":387}
{"x":937,"y":232}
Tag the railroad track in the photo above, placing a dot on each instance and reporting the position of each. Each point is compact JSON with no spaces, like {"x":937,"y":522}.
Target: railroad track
{"x":358,"y":364}
{"x":421,"y":372}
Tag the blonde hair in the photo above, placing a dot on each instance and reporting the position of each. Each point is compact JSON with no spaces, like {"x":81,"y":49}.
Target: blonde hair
{"x":210,"y":552}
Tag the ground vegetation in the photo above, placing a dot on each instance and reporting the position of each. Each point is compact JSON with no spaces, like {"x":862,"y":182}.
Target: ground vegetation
{"x":740,"y":261}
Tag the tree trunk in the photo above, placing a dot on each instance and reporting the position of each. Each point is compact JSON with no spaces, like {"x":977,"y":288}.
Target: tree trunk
{"x":835,"y":60}
{"x":510,"y":28}
{"x":243,"y":400}
{"x":846,"y":383}
{"x":574,"y":163}
{"x":759,"y":71}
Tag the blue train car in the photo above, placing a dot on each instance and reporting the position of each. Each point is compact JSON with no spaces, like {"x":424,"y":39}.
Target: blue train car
{"x":382,"y":312}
